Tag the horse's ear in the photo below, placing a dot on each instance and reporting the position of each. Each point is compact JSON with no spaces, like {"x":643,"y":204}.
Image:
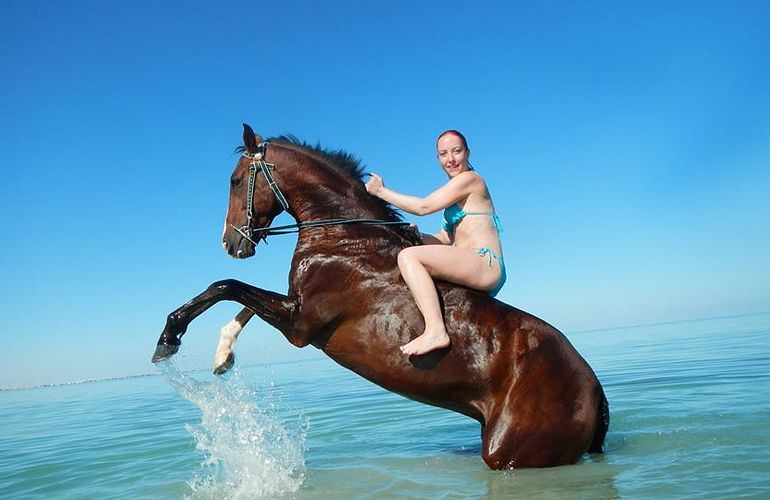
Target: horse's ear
{"x":250,"y":139}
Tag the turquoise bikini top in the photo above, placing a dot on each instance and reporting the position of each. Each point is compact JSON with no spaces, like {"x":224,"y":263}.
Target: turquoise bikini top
{"x":453,"y":214}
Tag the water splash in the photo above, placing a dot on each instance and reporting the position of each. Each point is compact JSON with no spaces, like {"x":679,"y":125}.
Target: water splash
{"x":249,"y":451}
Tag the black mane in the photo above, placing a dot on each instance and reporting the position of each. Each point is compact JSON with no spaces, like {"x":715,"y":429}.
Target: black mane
{"x":341,"y":159}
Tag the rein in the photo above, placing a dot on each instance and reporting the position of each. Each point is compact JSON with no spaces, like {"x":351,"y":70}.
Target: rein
{"x":258,"y":164}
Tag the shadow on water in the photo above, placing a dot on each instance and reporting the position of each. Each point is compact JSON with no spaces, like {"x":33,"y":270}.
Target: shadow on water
{"x":248,"y":450}
{"x":473,"y":450}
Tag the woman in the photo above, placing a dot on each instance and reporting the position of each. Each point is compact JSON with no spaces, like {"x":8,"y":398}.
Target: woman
{"x":466,"y":251}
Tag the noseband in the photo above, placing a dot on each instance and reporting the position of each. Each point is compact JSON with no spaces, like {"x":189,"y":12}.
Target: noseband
{"x":258,"y":164}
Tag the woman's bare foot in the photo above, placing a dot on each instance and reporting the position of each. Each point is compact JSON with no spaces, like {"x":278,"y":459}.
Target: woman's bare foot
{"x":428,"y":341}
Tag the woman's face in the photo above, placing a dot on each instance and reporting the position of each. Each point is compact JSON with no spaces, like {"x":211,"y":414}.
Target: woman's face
{"x":452,"y":155}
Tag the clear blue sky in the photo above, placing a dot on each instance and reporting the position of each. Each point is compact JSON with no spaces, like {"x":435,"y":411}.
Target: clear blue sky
{"x":627,"y":145}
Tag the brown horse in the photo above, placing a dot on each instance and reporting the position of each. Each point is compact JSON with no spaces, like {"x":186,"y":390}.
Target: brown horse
{"x":538,"y":401}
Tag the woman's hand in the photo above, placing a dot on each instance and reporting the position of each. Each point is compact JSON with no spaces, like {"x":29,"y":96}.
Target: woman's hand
{"x":375,"y":184}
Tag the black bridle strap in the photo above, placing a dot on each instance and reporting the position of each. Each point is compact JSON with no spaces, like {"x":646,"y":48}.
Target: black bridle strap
{"x":264,"y":232}
{"x":256,"y":165}
{"x":258,"y":162}
{"x":295,"y":228}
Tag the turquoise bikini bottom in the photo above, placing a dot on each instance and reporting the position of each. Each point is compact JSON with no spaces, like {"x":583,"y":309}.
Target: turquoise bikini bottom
{"x":489,"y":253}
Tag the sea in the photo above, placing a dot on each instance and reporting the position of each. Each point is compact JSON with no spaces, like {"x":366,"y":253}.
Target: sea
{"x":689,"y":404}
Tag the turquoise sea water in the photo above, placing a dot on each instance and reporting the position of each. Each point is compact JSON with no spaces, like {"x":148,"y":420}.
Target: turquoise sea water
{"x":689,"y":404}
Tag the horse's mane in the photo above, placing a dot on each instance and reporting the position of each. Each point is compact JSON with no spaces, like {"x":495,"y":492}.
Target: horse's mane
{"x":339,"y":158}
{"x":344,"y":161}
{"x":350,"y":166}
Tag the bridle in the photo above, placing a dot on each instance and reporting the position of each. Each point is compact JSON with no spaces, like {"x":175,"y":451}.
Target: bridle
{"x":258,"y":164}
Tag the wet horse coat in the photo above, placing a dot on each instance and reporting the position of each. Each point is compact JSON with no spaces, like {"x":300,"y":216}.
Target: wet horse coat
{"x":537,"y":400}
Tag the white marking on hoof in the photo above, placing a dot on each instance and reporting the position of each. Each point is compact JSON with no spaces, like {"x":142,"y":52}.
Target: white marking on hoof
{"x":227,"y":336}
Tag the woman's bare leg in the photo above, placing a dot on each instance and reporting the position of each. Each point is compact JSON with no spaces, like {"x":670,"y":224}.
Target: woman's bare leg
{"x":423,"y":290}
{"x":419,"y":265}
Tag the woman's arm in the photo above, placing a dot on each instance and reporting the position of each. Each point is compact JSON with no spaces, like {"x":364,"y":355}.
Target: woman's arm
{"x":454,"y":190}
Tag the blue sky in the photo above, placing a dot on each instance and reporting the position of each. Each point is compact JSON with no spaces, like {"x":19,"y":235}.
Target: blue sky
{"x":626,"y":144}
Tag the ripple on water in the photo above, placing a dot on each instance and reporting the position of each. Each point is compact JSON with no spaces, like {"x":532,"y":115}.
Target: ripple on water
{"x":688,"y":402}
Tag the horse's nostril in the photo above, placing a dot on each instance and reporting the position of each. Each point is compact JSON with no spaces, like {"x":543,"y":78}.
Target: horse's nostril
{"x":224,"y":244}
{"x":240,"y":252}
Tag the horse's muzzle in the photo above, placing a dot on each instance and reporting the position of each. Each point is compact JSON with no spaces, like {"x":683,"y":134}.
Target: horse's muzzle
{"x":237,"y":246}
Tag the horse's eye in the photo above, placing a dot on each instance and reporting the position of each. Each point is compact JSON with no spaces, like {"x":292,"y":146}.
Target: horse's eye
{"x":235,"y":182}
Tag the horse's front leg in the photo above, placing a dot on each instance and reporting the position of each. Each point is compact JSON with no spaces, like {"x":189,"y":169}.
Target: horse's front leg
{"x":224,"y":358}
{"x":278,"y":310}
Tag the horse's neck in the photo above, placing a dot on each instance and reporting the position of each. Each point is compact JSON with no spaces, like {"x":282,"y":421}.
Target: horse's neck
{"x":312,"y":202}
{"x":333,"y":244}
{"x":327,"y":210}
{"x":317,"y":193}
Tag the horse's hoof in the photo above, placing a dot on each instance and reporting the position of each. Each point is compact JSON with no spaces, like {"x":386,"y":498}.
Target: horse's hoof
{"x":226,"y":365}
{"x":163,"y":351}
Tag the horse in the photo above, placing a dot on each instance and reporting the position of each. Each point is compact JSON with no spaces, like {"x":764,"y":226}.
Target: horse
{"x":538,"y":401}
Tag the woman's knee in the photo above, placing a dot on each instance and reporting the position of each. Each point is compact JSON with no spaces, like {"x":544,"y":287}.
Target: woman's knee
{"x":408,"y":257}
{"x":404,"y":257}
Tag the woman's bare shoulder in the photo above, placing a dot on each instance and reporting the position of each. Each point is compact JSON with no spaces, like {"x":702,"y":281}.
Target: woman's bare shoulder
{"x":468,"y":178}
{"x":477,"y":181}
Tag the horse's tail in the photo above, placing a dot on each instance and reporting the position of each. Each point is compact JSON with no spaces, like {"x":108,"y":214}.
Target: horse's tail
{"x":602,"y":424}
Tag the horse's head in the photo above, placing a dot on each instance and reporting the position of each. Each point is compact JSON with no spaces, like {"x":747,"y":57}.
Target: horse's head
{"x":325,"y":189}
{"x":253,"y":203}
